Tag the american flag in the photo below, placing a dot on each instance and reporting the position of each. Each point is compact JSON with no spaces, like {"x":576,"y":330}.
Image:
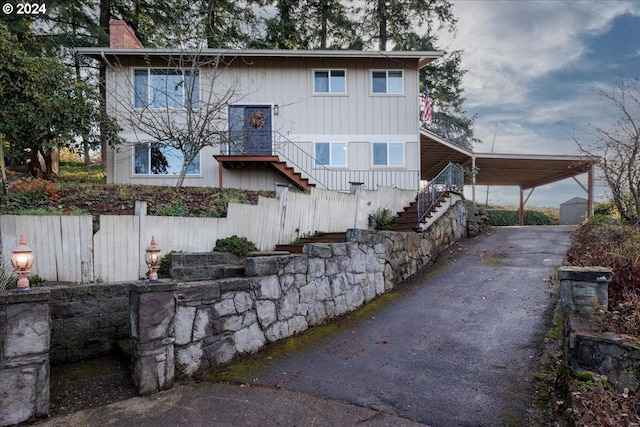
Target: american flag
{"x":426,"y":104}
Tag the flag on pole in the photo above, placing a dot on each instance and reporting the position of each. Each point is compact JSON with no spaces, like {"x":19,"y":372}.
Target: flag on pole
{"x":426,"y":104}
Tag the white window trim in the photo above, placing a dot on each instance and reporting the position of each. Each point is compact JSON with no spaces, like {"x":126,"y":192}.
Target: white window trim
{"x":387,"y":166}
{"x":332,"y":166}
{"x":330,"y":93}
{"x":386,"y":71}
{"x":148,"y":107}
{"x":153,"y":175}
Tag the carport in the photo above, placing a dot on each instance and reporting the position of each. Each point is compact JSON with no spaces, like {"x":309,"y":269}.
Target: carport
{"x":527,"y":171}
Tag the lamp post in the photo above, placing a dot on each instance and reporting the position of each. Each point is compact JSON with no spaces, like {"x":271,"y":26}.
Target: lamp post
{"x":152,"y":259}
{"x":22,"y":261}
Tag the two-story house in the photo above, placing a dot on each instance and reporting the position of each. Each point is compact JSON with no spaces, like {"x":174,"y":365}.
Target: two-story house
{"x":323,"y":118}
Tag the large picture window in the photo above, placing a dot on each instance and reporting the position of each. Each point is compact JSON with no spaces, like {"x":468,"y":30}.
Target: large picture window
{"x":387,"y":81}
{"x":329,"y":81}
{"x":331,"y":154}
{"x":388,"y":154}
{"x":156,"y":159}
{"x":166,"y":88}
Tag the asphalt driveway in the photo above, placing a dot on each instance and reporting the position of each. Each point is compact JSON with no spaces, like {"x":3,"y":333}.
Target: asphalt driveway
{"x":455,"y":348}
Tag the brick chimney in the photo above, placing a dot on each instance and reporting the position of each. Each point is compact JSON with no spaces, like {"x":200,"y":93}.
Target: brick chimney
{"x":122,"y":36}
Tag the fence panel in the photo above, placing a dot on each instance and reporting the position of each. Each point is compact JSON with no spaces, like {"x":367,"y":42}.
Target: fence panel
{"x":66,"y":250}
{"x":116,"y":248}
{"x":61,"y":245}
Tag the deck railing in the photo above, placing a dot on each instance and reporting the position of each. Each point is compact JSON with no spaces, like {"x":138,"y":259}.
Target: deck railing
{"x":322,"y":176}
{"x":451,"y":178}
{"x":449,"y":130}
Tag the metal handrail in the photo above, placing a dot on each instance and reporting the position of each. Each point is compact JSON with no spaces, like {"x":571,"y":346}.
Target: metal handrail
{"x":451,"y":178}
{"x":318,"y":174}
{"x":300,"y":160}
{"x":442,"y":126}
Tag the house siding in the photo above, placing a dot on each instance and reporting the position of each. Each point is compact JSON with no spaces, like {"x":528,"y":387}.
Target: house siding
{"x":356,"y":118}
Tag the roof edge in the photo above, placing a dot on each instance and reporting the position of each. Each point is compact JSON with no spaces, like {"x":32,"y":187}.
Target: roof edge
{"x":423,"y":57}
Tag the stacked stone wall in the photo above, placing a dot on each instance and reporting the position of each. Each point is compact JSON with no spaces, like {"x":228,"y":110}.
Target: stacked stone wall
{"x":88,"y":320}
{"x":24,"y":355}
{"x":285,"y":295}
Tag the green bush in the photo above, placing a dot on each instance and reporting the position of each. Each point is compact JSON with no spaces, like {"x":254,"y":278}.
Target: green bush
{"x":602,"y":219}
{"x":502,"y":217}
{"x":240,"y":246}
{"x":164,"y":271}
{"x":381,"y":219}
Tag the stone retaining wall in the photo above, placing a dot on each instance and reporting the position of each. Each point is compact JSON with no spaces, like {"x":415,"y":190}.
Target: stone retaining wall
{"x":583,"y":292}
{"x":88,"y":320}
{"x":24,"y":355}
{"x":284,"y":295}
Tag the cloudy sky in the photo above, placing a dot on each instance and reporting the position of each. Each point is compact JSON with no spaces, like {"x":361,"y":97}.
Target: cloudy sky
{"x":534,"y":69}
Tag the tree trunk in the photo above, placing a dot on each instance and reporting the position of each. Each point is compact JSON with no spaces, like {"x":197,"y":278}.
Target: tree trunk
{"x":382,"y":15}
{"x":105,"y":17}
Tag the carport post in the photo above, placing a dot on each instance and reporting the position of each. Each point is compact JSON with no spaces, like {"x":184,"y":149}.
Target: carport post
{"x":521,"y":212}
{"x":590,"y":191}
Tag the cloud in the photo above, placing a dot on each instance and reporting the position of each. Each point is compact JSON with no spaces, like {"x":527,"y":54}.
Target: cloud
{"x":508,"y":44}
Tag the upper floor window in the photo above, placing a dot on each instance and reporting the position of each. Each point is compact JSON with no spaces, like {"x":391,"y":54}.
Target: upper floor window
{"x":388,"y":154}
{"x":387,"y":81}
{"x":331,"y":154}
{"x":166,"y":88}
{"x":329,"y":81}
{"x":156,"y":159}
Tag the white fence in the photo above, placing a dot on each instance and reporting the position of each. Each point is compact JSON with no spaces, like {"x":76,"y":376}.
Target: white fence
{"x":66,"y":250}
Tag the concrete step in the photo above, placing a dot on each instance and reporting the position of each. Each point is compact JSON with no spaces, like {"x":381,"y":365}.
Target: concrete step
{"x":194,"y":273}
{"x":204,"y":258}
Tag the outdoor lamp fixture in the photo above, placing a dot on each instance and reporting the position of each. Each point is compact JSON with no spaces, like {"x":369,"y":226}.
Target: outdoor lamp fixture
{"x":22,"y":260}
{"x":153,"y":260}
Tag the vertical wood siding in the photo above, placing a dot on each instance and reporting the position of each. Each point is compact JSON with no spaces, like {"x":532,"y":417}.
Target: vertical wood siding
{"x":288,"y":83}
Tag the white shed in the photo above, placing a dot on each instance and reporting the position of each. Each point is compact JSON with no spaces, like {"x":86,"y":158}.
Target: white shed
{"x":573,"y":211}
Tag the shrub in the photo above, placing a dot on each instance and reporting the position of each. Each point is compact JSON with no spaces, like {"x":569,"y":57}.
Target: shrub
{"x":503,"y":217}
{"x":164,"y":271}
{"x":29,"y":194}
{"x":381,"y":219}
{"x":240,"y":246}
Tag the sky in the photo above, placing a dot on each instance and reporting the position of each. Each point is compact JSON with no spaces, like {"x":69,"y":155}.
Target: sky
{"x":534,"y":69}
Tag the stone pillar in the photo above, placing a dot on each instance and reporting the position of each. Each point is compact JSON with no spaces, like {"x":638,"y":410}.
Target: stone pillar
{"x":153,"y":311}
{"x":584,"y":289}
{"x":25,"y":336}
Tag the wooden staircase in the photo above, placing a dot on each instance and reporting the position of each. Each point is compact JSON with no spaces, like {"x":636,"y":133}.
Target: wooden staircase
{"x":257,"y":162}
{"x":296,"y":248}
{"x":407,"y":220}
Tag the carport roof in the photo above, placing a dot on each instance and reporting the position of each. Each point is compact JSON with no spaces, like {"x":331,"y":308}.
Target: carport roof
{"x":524,"y":170}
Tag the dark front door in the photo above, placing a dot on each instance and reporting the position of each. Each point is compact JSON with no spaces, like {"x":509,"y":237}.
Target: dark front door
{"x":250,"y":130}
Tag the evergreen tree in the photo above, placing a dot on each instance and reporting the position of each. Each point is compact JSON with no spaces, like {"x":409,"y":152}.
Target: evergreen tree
{"x":395,"y":20}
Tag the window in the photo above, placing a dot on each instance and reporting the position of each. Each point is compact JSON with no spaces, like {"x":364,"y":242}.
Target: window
{"x":388,"y":154}
{"x":166,"y":88}
{"x":389,"y":81}
{"x":331,"y":154}
{"x":330,"y":81}
{"x":155,"y":159}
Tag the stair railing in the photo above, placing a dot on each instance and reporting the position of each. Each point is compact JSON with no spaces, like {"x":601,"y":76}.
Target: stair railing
{"x":451,"y":178}
{"x":301,"y":160}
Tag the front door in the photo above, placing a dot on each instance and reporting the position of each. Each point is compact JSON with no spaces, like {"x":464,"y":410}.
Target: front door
{"x":250,"y":130}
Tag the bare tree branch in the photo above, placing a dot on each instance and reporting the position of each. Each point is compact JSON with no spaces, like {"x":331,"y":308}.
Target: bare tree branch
{"x":619,"y":149}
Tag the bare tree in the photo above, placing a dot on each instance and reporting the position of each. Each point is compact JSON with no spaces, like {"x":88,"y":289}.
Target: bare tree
{"x":182,"y":105}
{"x":618,"y":148}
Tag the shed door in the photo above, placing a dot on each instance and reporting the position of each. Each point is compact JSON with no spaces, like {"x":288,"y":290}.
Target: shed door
{"x":250,"y":130}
